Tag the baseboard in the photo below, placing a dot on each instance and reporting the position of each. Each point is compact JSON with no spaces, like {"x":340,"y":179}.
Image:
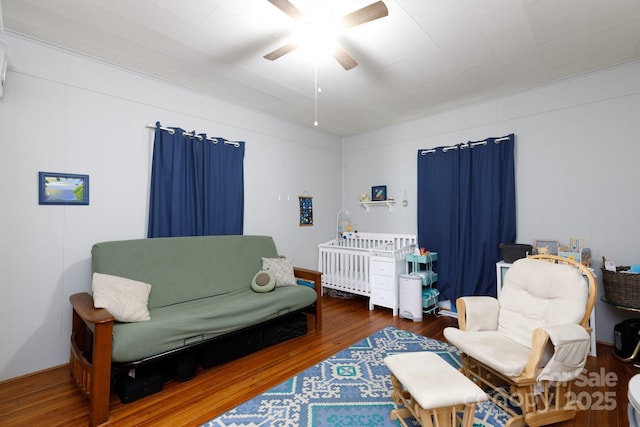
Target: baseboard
{"x":34,"y":373}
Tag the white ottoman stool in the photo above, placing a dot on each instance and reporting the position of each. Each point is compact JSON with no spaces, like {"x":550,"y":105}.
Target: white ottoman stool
{"x":431,"y":391}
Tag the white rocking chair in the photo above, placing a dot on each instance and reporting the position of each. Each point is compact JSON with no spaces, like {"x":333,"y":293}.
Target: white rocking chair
{"x":531,"y":343}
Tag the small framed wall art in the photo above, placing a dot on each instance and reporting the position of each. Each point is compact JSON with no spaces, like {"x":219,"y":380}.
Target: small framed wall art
{"x":306,"y":210}
{"x":63,"y":189}
{"x":379,"y":193}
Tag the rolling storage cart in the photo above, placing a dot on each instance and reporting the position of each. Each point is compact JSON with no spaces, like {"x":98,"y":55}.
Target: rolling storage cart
{"x":422,"y":266}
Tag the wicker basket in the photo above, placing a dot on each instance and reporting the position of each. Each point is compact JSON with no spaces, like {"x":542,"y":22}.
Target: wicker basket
{"x":621,"y":288}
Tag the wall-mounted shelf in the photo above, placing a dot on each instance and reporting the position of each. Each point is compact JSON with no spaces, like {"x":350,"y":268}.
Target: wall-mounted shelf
{"x":388,"y":203}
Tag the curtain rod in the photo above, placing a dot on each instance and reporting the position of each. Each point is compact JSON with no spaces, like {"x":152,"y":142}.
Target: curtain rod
{"x":473,"y":144}
{"x":193,"y":135}
{"x":171,"y":131}
{"x":465,"y":145}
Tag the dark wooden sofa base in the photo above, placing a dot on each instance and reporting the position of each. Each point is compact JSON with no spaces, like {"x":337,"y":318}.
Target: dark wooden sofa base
{"x":91,"y":347}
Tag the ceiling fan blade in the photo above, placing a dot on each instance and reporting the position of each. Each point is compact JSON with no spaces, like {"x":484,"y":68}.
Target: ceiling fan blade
{"x":343,"y":57}
{"x":366,"y":14}
{"x":287,"y":7}
{"x":281,"y":51}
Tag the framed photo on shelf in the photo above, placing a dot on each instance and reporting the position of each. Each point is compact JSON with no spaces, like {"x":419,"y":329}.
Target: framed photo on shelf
{"x":379,"y":193}
{"x":551,"y":245}
{"x":63,"y":189}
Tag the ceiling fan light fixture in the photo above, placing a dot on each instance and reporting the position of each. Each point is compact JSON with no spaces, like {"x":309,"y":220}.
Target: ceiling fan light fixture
{"x":318,"y":29}
{"x":318,"y":33}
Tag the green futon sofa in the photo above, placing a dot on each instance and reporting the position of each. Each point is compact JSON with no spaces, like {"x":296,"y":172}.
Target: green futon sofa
{"x":200,"y":292}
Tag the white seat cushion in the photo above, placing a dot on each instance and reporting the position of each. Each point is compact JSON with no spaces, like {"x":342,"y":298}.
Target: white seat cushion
{"x":431,"y":381}
{"x":634,"y":392}
{"x":634,"y":400}
{"x":538,"y":293}
{"x":491,"y":348}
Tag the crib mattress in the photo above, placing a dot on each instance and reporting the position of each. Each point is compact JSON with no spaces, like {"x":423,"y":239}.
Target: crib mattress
{"x":350,"y":281}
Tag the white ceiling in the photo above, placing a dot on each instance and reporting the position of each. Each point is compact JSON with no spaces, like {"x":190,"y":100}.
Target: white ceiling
{"x":426,"y":56}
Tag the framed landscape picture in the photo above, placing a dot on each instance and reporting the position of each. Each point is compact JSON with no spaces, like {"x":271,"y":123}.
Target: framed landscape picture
{"x":63,"y":189}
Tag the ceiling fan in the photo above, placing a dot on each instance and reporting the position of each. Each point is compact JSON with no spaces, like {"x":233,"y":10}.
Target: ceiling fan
{"x":363,"y":15}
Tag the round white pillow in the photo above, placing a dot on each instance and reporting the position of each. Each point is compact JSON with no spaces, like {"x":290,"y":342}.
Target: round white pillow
{"x":263,"y":281}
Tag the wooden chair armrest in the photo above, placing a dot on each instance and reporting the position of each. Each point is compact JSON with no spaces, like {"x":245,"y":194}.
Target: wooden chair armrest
{"x":83,"y":305}
{"x":90,"y":359}
{"x":310,"y":275}
{"x":315,"y":277}
{"x":477,"y":313}
{"x":539,"y":342}
{"x":461,"y":308}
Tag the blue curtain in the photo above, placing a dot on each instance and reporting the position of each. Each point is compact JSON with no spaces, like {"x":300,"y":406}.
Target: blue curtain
{"x":197,"y":185}
{"x":466,"y":209}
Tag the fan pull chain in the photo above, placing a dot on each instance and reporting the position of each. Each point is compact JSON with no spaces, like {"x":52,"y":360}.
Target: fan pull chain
{"x":317,"y":90}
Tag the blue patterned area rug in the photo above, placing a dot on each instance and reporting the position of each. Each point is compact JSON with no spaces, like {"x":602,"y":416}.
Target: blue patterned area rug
{"x":350,"y":389}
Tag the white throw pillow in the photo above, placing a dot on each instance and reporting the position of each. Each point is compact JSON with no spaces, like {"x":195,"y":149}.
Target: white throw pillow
{"x":282,"y":268}
{"x":125,"y":299}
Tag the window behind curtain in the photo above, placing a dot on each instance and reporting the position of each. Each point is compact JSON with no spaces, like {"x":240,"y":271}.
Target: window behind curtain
{"x":197,"y":185}
{"x":466,"y":209}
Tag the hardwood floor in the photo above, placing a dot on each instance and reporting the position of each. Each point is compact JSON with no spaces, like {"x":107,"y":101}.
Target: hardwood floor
{"x":50,"y":398}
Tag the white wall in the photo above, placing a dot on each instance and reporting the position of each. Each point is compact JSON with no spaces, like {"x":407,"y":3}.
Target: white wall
{"x":66,"y":113}
{"x":577,"y":165}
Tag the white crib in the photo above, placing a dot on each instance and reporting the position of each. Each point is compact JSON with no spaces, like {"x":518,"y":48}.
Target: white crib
{"x":345,"y":263}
